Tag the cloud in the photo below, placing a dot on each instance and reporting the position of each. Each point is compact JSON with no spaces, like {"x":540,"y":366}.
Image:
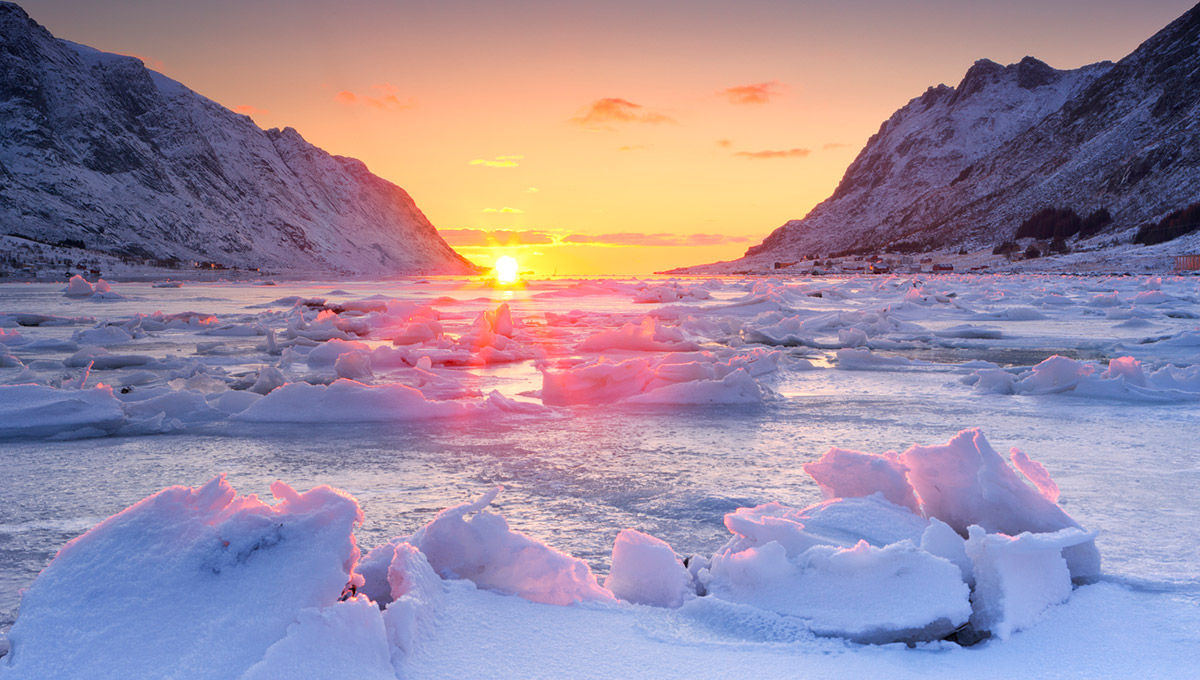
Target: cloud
{"x":724,"y":143}
{"x":532,"y":190}
{"x":784,"y":153}
{"x":482,"y":238}
{"x":509,"y":161}
{"x":834,"y":145}
{"x":383,"y":97}
{"x":249,"y":110}
{"x":755,"y":93}
{"x":505,"y":209}
{"x":617,"y":110}
{"x":660,"y":239}
{"x":633,"y":147}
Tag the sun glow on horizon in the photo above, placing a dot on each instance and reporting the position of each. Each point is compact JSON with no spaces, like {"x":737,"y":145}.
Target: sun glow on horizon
{"x":507,"y":269}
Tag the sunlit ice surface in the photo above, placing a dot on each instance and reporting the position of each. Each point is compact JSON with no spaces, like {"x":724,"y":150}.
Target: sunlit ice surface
{"x":869,"y":363}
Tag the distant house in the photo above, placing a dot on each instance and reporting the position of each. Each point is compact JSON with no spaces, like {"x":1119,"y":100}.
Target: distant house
{"x":880,"y":268}
{"x":783,"y":265}
{"x":1185,"y":263}
{"x":943,"y":267}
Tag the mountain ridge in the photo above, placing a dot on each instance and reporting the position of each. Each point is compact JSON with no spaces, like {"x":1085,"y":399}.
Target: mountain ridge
{"x":96,"y":148}
{"x":964,"y":166}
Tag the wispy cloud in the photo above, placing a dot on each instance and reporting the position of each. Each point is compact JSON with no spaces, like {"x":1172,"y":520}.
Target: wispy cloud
{"x":249,"y":110}
{"x":505,"y":210}
{"x":770,"y":154}
{"x":483,"y":238}
{"x":834,"y":145}
{"x":724,"y":143}
{"x":533,"y":190}
{"x":383,"y":97}
{"x":509,"y":161}
{"x":633,"y":147}
{"x":660,"y":239}
{"x":602,"y":112}
{"x":755,"y":93}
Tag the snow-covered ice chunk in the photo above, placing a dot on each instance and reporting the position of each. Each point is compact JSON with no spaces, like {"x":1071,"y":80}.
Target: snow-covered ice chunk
{"x":840,"y":522}
{"x":189,"y":582}
{"x":482,"y":549}
{"x":344,"y":640}
{"x":865,"y":593}
{"x":104,"y":335}
{"x":1018,"y":577}
{"x":647,"y":336}
{"x":969,"y":331}
{"x":675,"y":379}
{"x":941,"y":540}
{"x":78,"y":287}
{"x":41,"y":411}
{"x":415,"y":591}
{"x":346,"y":401}
{"x":645,"y":571}
{"x":842,"y":473}
{"x":965,"y":482}
{"x":354,"y":365}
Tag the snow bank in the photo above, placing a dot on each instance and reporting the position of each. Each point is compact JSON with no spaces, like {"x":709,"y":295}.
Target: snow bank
{"x":197,"y":583}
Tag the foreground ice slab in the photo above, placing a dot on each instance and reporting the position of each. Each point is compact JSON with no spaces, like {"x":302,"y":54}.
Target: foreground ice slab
{"x":195,"y":583}
{"x":204,"y":583}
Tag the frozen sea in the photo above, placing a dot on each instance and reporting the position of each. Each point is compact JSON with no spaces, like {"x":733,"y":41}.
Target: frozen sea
{"x":594,"y":427}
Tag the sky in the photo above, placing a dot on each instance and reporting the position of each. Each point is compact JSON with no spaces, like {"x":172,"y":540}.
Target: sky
{"x":618,"y":137}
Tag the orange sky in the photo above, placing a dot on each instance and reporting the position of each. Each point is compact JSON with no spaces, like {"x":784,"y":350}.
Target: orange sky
{"x":603,"y":138}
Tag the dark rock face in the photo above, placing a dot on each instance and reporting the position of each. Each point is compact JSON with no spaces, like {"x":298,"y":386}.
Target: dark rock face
{"x":966,"y":165}
{"x":98,"y":148}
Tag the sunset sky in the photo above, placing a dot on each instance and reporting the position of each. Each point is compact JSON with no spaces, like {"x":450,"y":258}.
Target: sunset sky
{"x":616,"y":137}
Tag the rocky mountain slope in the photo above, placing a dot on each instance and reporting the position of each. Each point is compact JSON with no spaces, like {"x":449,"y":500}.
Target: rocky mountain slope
{"x":98,"y":149}
{"x":965,"y":165}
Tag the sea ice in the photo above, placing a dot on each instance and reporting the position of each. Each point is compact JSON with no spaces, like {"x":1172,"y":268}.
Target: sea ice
{"x":192,"y":582}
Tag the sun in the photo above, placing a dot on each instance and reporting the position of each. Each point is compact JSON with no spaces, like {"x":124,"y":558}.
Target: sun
{"x":506,"y":269}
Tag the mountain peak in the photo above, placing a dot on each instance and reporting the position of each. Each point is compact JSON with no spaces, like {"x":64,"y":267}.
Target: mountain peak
{"x":99,"y":150}
{"x":965,"y":166}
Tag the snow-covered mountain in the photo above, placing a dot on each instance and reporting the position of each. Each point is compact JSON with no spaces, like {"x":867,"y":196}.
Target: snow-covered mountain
{"x":95,"y":147}
{"x":966,"y":165}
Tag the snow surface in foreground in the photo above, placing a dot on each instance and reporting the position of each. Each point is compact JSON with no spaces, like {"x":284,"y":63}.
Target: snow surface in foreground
{"x":204,"y":583}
